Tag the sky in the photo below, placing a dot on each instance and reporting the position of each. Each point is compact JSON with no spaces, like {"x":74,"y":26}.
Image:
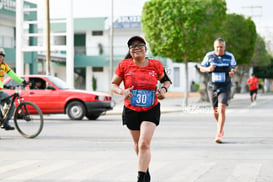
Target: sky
{"x":260,"y":10}
{"x":90,"y":8}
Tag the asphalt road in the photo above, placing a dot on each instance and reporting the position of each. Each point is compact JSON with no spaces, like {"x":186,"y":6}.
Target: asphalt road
{"x":183,"y":149}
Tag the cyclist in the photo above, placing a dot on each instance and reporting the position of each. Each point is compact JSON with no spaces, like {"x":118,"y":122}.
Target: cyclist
{"x":4,"y":68}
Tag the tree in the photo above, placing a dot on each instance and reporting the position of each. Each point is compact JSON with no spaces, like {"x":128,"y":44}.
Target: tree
{"x":182,"y":29}
{"x":264,"y":71}
{"x":240,"y":35}
{"x":262,"y":61}
{"x":261,"y":56}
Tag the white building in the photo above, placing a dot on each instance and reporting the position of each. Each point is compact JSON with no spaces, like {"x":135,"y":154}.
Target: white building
{"x":92,"y":53}
{"x":91,"y":48}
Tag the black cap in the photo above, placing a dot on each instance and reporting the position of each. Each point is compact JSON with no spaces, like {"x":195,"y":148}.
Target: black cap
{"x":135,"y":38}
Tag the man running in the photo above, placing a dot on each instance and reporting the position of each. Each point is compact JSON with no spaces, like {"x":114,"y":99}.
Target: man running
{"x":220,"y":66}
{"x":252,"y":83}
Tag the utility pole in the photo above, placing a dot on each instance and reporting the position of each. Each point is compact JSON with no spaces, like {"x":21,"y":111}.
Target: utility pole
{"x":47,"y":38}
{"x":70,"y":45}
{"x":19,"y":37}
{"x":111,"y":43}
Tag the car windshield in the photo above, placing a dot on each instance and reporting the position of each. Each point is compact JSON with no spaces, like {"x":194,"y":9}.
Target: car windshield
{"x":58,"y":82}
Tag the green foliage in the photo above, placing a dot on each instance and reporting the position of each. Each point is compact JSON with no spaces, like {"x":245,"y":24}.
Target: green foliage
{"x":100,"y":49}
{"x":240,"y":36}
{"x":197,"y":87}
{"x":261,"y":56}
{"x":94,"y":83}
{"x":264,"y":71}
{"x":182,"y":30}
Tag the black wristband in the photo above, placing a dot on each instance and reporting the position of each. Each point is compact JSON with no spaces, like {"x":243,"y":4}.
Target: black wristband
{"x":165,"y":89}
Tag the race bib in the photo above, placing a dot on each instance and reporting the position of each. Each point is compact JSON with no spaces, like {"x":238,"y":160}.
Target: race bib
{"x":143,"y":98}
{"x":218,"y":77}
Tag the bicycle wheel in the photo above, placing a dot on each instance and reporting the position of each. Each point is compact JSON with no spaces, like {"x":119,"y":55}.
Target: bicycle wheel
{"x":28,"y":119}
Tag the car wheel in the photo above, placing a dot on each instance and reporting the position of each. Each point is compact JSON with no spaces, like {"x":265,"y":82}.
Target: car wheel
{"x":93,"y":116}
{"x":76,"y":110}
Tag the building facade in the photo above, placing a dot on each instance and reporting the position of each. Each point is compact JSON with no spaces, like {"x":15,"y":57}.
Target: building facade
{"x":92,"y":53}
{"x":8,"y":33}
{"x":92,"y":70}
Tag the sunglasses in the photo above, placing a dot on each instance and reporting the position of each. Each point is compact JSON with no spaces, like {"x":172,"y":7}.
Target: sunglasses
{"x":136,"y":46}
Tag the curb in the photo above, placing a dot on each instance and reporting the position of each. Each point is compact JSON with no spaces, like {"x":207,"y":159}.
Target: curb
{"x":180,"y":94}
{"x":118,"y":108}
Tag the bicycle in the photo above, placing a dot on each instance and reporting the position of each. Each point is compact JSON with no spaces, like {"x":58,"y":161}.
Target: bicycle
{"x":28,"y":117}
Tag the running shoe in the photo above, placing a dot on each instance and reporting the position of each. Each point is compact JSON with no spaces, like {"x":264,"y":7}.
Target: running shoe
{"x":218,"y":138}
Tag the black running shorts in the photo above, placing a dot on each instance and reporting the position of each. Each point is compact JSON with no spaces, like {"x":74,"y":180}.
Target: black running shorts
{"x":133,"y":119}
{"x":253,"y":92}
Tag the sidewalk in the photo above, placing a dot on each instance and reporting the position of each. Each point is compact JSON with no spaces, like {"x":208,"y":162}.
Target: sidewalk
{"x":173,"y":103}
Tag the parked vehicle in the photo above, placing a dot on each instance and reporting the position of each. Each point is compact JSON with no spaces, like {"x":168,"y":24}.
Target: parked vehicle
{"x":53,"y":96}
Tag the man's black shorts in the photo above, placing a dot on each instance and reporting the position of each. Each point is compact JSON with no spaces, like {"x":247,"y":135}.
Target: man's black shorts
{"x":133,"y":119}
{"x":253,"y":92}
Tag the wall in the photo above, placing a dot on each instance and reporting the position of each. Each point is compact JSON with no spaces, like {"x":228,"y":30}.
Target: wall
{"x":92,"y":44}
{"x":6,"y":36}
{"x":176,"y":72}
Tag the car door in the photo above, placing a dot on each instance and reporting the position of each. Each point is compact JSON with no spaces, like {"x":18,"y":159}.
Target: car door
{"x":49,"y":100}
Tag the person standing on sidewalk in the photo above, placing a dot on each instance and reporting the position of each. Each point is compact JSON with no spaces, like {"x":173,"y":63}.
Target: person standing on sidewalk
{"x":252,"y":83}
{"x":221,"y":66}
{"x":141,"y":112}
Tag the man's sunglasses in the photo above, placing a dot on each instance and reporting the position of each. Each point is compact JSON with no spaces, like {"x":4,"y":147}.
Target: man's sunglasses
{"x":136,"y":46}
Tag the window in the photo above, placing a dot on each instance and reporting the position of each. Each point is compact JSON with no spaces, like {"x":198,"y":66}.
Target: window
{"x":97,"y":69}
{"x":97,"y":33}
{"x":6,"y":41}
{"x":37,"y":83}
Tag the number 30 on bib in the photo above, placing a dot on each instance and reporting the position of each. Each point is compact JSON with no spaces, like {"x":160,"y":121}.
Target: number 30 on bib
{"x":143,"y":98}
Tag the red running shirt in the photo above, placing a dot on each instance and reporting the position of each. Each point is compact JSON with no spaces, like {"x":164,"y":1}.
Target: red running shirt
{"x":140,"y":77}
{"x":253,"y":83}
